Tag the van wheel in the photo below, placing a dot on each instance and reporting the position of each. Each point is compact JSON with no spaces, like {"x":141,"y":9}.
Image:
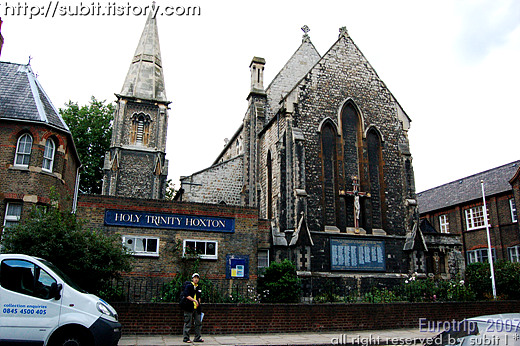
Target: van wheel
{"x":71,"y":339}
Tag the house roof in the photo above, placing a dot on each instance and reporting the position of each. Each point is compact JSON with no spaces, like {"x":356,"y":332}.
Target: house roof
{"x":23,"y":98}
{"x":496,"y":180}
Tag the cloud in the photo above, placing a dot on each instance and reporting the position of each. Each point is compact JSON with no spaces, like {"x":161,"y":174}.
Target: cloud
{"x":485,"y":25}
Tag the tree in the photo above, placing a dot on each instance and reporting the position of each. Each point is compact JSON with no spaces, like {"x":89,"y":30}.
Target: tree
{"x":170,"y":190}
{"x":90,"y":258}
{"x":91,"y":129}
{"x":280,"y":283}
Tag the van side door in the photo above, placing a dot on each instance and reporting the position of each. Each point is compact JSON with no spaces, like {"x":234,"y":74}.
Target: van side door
{"x":28,"y":308}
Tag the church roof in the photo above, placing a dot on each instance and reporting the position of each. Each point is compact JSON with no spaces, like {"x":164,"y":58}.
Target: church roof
{"x":303,"y":59}
{"x":23,"y":98}
{"x":467,"y":189}
{"x":145,"y":79}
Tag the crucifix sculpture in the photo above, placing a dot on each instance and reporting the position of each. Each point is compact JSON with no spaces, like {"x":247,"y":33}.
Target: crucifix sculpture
{"x":356,"y":194}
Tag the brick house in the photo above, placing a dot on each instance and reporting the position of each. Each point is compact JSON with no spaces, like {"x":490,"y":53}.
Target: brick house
{"x":38,"y":153}
{"x":457,"y":208}
{"x":160,"y":232}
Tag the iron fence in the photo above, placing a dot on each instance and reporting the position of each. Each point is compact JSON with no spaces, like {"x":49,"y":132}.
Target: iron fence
{"x":160,"y":290}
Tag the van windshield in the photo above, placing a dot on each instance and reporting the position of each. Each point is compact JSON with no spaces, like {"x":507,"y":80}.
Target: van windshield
{"x":63,"y":276}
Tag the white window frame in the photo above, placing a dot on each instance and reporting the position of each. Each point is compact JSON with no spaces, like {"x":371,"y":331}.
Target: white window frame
{"x":473,"y":216}
{"x":130,"y":241}
{"x":266,"y":251}
{"x":444,"y":223}
{"x":514,"y":253}
{"x":12,"y":218}
{"x":480,"y":255}
{"x":24,"y":152}
{"x":48,"y":157}
{"x":512,"y":206}
{"x":201,"y":255}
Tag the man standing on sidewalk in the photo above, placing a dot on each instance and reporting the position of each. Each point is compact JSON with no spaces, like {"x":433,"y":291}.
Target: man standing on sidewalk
{"x":192,"y":313}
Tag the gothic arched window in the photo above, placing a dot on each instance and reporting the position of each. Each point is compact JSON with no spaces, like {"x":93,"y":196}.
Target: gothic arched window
{"x":352,"y":139}
{"x":140,"y":132}
{"x":352,"y":133}
{"x":375,"y":175}
{"x":329,"y":172}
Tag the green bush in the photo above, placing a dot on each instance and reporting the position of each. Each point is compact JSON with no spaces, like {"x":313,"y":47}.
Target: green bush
{"x":383,"y":295}
{"x":507,"y":280}
{"x":431,"y":290}
{"x":92,"y":259}
{"x":280,"y":283}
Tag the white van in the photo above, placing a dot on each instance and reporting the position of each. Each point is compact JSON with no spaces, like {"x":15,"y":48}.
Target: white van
{"x":40,"y":305}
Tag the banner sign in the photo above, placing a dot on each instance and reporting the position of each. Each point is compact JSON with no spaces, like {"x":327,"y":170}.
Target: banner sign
{"x":350,"y":254}
{"x":237,"y":267}
{"x":131,"y":218}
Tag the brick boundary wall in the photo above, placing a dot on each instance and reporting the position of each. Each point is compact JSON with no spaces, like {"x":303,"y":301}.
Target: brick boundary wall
{"x":166,"y":318}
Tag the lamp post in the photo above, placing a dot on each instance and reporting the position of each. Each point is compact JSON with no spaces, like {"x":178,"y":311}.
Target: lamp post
{"x":490,"y":253}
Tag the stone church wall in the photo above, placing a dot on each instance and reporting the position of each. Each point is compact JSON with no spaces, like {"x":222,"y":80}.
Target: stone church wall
{"x":321,"y":95}
{"x":222,"y":182}
{"x":271,"y":141}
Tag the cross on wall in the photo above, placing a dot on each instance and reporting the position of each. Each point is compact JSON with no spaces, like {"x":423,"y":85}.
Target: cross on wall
{"x":356,"y":194}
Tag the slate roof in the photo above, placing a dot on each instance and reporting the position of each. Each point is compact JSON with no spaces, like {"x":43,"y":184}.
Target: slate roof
{"x":467,"y":189}
{"x":23,"y":98}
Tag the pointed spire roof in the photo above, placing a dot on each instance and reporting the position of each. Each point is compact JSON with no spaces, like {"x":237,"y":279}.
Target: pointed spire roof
{"x":145,"y":79}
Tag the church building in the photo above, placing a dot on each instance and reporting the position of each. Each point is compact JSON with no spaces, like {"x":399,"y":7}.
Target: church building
{"x":135,"y":165}
{"x":323,"y":153}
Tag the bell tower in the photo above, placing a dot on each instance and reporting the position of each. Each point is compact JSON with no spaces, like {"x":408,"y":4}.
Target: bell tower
{"x":135,"y":165}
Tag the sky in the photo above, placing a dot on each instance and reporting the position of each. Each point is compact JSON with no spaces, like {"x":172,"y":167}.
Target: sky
{"x":452,"y":65}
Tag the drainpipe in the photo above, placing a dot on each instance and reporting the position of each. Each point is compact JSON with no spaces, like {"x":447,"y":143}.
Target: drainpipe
{"x":76,"y":189}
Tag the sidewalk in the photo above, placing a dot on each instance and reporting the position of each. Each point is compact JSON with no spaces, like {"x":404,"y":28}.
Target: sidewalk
{"x":365,"y":337}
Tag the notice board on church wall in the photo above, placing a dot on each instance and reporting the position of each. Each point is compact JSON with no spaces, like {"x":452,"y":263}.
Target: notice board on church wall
{"x":354,"y":254}
{"x":237,"y":267}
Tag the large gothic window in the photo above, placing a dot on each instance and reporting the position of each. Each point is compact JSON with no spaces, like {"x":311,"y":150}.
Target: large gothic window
{"x":329,"y":173}
{"x":352,"y":139}
{"x":351,"y":128}
{"x":375,"y":172}
{"x":269,"y":167}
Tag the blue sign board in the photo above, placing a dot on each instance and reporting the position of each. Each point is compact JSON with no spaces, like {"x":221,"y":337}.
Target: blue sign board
{"x":353,"y":254}
{"x":237,"y":267}
{"x":131,"y":218}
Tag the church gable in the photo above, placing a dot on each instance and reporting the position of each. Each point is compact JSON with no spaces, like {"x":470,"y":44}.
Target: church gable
{"x":296,"y":67}
{"x":354,"y":137}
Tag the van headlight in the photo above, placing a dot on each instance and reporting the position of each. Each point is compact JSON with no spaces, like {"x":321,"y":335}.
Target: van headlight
{"x":104,"y":310}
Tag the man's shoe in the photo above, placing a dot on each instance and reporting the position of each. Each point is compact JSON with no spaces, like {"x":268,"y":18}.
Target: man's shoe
{"x":198,"y":340}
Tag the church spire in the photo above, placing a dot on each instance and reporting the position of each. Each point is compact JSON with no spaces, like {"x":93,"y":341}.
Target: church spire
{"x":145,"y":79}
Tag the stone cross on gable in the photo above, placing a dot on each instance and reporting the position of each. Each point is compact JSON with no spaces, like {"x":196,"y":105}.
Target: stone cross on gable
{"x":305,"y":30}
{"x":356,"y":194}
{"x":343,"y":31}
